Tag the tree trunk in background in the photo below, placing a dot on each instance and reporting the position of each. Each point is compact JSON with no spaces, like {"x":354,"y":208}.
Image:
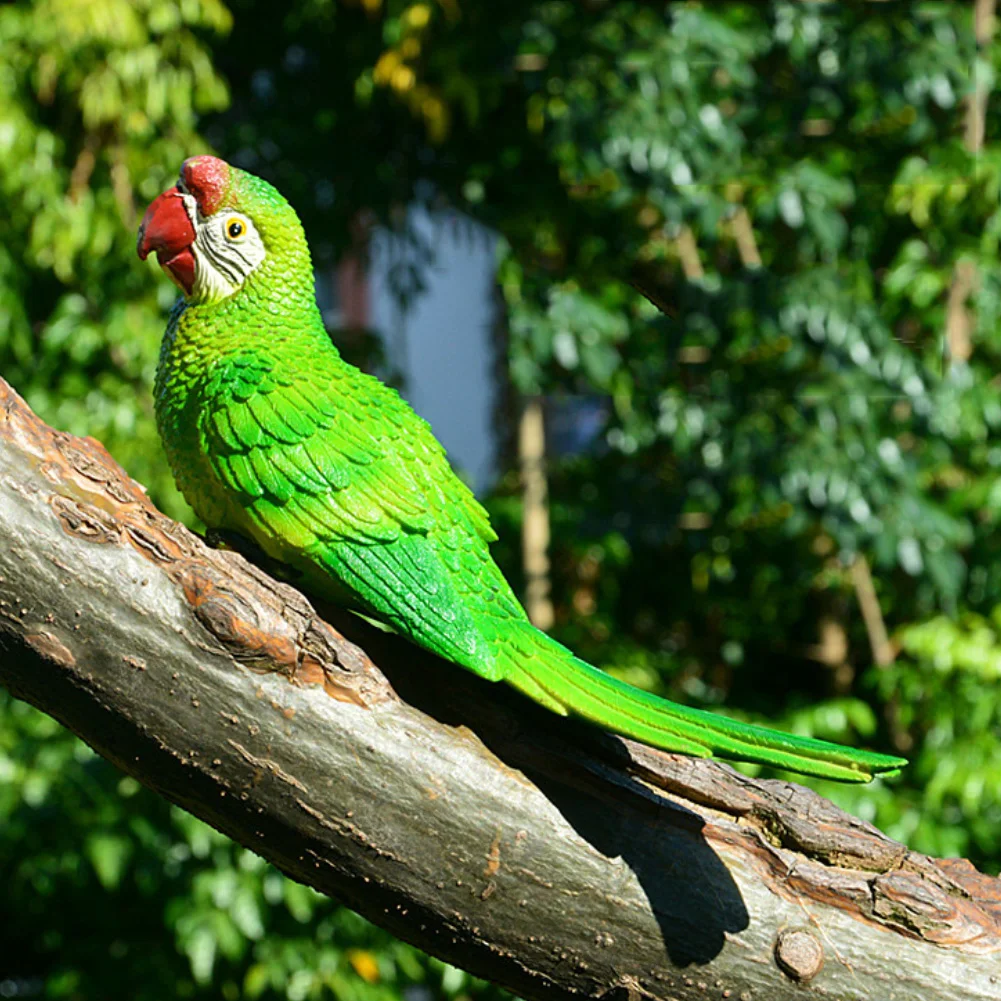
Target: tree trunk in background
{"x":960,"y":322}
{"x":984,"y":21}
{"x":535,"y":518}
{"x":743,"y":234}
{"x":534,"y":851}
{"x":688,"y":254}
{"x":883,"y":653}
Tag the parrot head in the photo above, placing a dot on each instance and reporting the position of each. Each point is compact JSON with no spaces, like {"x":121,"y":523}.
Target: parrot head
{"x":210,"y":232}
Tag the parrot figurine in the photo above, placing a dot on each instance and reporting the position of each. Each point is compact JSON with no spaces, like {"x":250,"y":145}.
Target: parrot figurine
{"x":273,"y":437}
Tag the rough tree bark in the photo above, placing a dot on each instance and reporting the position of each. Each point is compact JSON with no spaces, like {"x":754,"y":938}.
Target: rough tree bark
{"x":534,"y":851}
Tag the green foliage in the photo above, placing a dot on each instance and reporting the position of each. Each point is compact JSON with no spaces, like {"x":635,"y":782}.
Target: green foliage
{"x":98,"y":104}
{"x":792,"y":407}
{"x":942,"y":694}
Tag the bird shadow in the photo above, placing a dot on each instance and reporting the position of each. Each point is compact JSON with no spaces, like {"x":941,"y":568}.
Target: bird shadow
{"x":582,"y":771}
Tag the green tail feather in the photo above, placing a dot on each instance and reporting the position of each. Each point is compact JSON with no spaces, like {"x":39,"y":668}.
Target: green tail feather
{"x":561,"y":682}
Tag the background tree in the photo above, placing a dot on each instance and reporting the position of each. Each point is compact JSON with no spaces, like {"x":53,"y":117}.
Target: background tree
{"x":792,"y":183}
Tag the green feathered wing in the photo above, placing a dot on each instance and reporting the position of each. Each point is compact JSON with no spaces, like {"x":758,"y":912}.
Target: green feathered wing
{"x":332,"y":473}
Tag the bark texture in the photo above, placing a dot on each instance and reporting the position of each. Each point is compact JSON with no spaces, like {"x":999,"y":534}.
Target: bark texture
{"x":534,"y":851}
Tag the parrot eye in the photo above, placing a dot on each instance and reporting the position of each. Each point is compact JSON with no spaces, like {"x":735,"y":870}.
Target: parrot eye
{"x":227,"y":249}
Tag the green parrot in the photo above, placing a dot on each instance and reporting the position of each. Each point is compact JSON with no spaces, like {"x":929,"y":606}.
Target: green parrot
{"x":272,"y":436}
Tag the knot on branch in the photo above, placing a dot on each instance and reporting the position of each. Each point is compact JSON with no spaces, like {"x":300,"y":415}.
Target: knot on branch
{"x":799,"y":954}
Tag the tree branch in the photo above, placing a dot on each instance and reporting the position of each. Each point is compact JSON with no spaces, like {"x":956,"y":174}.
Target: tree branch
{"x":534,"y":851}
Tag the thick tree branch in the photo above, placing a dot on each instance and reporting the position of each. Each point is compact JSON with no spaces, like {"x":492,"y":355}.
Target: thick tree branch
{"x":534,"y":851}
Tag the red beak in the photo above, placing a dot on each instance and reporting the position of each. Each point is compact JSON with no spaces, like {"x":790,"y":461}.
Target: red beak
{"x":167,"y":229}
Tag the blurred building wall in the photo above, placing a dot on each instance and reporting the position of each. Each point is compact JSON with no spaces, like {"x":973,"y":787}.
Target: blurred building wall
{"x":442,"y":344}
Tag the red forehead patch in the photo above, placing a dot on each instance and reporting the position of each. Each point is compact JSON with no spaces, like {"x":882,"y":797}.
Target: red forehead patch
{"x":207,"y":178}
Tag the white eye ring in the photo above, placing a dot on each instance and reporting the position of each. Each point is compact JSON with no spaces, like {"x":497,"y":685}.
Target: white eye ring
{"x":236,"y":229}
